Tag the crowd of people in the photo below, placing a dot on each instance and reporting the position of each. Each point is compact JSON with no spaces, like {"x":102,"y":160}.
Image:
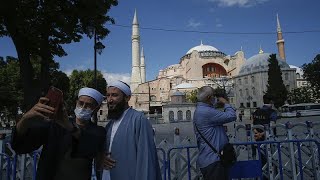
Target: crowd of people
{"x":124,"y":149}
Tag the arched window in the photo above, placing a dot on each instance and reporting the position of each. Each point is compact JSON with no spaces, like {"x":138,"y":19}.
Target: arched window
{"x":246,"y":80}
{"x":188,"y":115}
{"x":298,"y":76}
{"x":239,"y":81}
{"x":252,"y":79}
{"x":240,"y":92}
{"x":254,"y":91}
{"x":171,"y":116}
{"x":180,"y":115}
{"x":153,"y":98}
{"x":286,"y":76}
{"x":247,"y":92}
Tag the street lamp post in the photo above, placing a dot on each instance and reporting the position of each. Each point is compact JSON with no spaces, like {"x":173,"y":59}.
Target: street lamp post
{"x":249,"y":99}
{"x":98,"y":47}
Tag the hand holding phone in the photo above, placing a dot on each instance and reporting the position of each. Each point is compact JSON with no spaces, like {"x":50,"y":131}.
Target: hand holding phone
{"x":55,"y":97}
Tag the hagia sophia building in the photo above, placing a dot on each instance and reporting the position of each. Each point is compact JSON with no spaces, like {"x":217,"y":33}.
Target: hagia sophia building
{"x":244,"y":80}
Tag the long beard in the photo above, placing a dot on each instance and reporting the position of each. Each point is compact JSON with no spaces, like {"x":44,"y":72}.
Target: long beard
{"x":117,"y":111}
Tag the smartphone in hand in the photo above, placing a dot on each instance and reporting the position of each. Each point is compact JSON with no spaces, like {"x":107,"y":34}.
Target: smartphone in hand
{"x":55,"y":97}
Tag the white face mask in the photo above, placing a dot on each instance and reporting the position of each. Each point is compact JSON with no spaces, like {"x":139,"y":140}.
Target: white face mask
{"x":83,"y":114}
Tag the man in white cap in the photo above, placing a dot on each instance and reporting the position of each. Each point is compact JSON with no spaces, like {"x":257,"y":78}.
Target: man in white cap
{"x":130,"y":150}
{"x":68,"y":148}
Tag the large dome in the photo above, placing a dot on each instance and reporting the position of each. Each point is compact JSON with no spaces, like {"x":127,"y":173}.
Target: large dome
{"x":258,"y":63}
{"x":202,"y":48}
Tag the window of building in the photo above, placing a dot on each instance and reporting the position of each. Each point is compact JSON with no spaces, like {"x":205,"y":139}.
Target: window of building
{"x":286,"y":76}
{"x":153,"y":98}
{"x":240,"y":92}
{"x":298,"y":76}
{"x":248,"y":104}
{"x":254,"y":104}
{"x":241,"y":105}
{"x":246,"y":80}
{"x":180,"y":115}
{"x":239,"y":81}
{"x":247,"y":92}
{"x":252,"y":79}
{"x":100,"y":112}
{"x":288,"y":87}
{"x":171,"y":116}
{"x":188,"y":115}
{"x":254,"y":91}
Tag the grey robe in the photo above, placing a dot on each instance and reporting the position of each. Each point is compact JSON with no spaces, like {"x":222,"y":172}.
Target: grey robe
{"x":133,"y":149}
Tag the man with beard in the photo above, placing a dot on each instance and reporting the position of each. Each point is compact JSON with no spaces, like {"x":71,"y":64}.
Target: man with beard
{"x":130,"y":150}
{"x":68,"y":148}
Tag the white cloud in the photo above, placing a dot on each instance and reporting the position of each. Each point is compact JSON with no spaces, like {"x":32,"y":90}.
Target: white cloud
{"x":240,"y":3}
{"x":110,"y":77}
{"x":192,"y":23}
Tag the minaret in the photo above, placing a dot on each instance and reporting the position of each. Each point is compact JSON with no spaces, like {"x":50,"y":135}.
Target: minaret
{"x":142,"y":67}
{"x":280,"y":41}
{"x":135,"y":72}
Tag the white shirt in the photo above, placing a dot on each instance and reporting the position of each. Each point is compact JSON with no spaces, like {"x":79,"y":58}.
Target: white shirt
{"x":114,"y":128}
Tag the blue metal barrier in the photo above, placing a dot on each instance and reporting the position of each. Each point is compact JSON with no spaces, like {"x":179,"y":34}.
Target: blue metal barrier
{"x":8,"y":161}
{"x":271,"y":150}
{"x":164,"y":162}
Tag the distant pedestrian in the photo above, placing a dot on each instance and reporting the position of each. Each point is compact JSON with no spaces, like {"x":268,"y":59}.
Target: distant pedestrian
{"x":240,"y":117}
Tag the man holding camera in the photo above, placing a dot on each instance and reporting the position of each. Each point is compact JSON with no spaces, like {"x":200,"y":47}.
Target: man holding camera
{"x":209,"y":121}
{"x":68,"y":148}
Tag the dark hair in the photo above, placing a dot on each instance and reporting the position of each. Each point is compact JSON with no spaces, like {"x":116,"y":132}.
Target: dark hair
{"x":267,"y":99}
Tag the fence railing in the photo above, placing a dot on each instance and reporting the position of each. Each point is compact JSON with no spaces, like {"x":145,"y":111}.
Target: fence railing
{"x":286,"y":159}
{"x":291,"y":153}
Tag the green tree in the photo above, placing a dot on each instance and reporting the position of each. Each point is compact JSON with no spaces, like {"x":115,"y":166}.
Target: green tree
{"x":80,"y":79}
{"x":40,"y":27}
{"x":301,"y":95}
{"x":275,"y":87}
{"x":11,"y":93}
{"x":191,"y":96}
{"x":311,"y":72}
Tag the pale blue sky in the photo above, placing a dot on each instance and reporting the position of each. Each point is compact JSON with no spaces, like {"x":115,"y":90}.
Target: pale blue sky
{"x":221,"y":17}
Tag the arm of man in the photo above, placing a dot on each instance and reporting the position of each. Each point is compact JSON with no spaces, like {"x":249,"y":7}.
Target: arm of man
{"x":32,"y":130}
{"x":147,"y":166}
{"x":219,"y":117}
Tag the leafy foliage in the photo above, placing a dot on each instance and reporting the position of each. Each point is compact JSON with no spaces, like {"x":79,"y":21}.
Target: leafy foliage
{"x":80,"y":79}
{"x":301,"y":95}
{"x":311,"y":73}
{"x":275,"y":88}
{"x":39,"y":28}
{"x":11,"y":93}
{"x":191,"y":96}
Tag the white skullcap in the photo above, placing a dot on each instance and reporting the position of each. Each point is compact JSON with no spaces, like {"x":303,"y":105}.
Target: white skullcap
{"x":96,"y":95}
{"x":122,"y":86}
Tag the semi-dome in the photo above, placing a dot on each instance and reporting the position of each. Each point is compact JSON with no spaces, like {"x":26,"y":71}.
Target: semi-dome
{"x":259,"y":62}
{"x":202,"y":48}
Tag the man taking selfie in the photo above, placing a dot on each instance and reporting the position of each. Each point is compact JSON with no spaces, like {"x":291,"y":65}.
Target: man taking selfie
{"x":68,"y":148}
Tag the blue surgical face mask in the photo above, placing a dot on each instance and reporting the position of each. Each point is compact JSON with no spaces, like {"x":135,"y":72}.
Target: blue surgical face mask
{"x":83,"y":114}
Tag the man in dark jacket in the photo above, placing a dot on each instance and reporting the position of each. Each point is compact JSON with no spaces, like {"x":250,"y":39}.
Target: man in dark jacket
{"x":68,"y":148}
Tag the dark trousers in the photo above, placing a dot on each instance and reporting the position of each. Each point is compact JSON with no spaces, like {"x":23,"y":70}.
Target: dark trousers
{"x":215,"y":171}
